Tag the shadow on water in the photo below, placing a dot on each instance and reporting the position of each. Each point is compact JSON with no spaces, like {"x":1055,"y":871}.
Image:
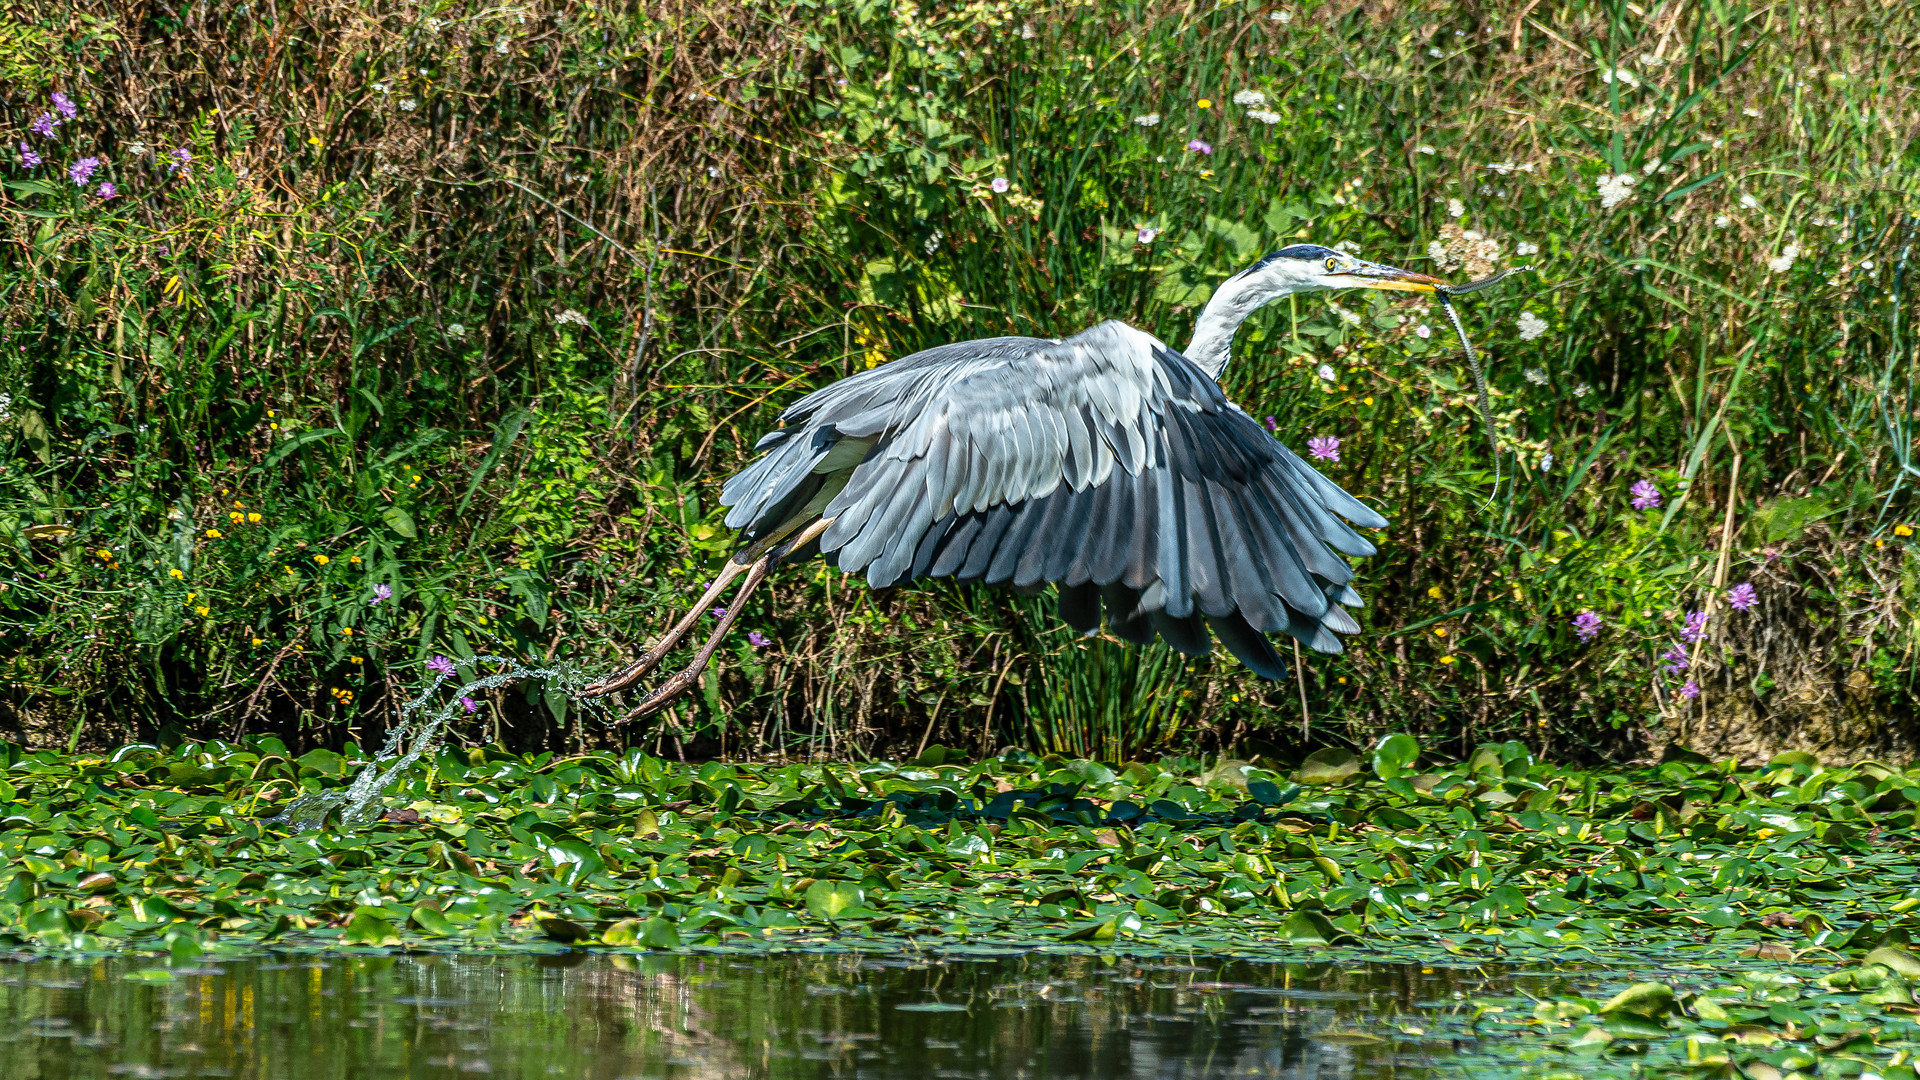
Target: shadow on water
{"x":687,"y":1016}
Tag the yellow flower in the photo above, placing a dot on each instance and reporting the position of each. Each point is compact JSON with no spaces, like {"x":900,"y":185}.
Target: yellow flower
{"x":275,"y":427}
{"x":356,"y":659}
{"x":1903,"y":530}
{"x":1446,"y":659}
{"x":256,"y":643}
{"x":1439,"y":631}
{"x":288,"y":569}
{"x":1366,"y":401}
{"x":253,"y":519}
{"x":347,"y":630}
{"x":238,"y":505}
{"x":314,"y":140}
{"x":1434,"y":592}
{"x":235,"y":517}
{"x":191,"y":594}
{"x":104,"y":553}
{"x":175,"y":574}
{"x":321,"y":560}
{"x":271,"y":414}
{"x":201,"y":611}
{"x":1205,"y":103}
{"x":353,"y":558}
{"x":213,"y":534}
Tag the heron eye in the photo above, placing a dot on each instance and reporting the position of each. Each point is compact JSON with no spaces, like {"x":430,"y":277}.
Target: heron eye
{"x":1333,"y":263}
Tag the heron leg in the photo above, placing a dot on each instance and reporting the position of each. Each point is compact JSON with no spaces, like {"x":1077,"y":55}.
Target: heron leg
{"x":736,"y":566}
{"x":683,"y":680}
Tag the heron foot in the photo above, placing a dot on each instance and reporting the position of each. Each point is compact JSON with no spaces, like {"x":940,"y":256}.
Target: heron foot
{"x":684,"y":679}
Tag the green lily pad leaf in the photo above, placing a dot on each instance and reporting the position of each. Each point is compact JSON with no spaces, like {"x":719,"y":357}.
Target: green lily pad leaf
{"x":827,"y":899}
{"x":149,"y":975}
{"x":623,"y":934}
{"x":1641,"y":999}
{"x":660,"y":932}
{"x":1328,"y":766}
{"x":430,"y":920}
{"x":564,"y":930}
{"x":1896,"y":960}
{"x":1591,"y":1043}
{"x":366,"y":928}
{"x":1096,"y":930}
{"x":1308,"y":927}
{"x":1394,"y":756}
{"x":930,"y":1006}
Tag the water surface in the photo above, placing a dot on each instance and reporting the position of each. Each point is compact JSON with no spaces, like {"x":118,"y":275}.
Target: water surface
{"x":693,"y":1016}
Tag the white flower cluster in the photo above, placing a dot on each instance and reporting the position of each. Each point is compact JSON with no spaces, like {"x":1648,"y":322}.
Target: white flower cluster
{"x":1508,"y":168}
{"x":1526,"y":247}
{"x":933,"y":242}
{"x":1148,"y":120}
{"x":1423,"y":149}
{"x":1283,"y":16}
{"x":457,"y":331}
{"x":1458,"y":247}
{"x":1615,"y":190}
{"x":1455,"y":208}
{"x":1626,"y":77}
{"x":1350,"y":318}
{"x":1250,"y":97}
{"x":6,"y":408}
{"x":1531,"y":326}
{"x":1582,"y":390}
{"x":1783,"y":262}
{"x":1265,"y":116}
{"x":1326,"y":372}
{"x":1536,"y":376}
{"x":1748,"y":202}
{"x":569,"y":316}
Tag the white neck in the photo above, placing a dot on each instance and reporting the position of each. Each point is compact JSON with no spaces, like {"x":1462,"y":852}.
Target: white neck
{"x":1237,"y":297}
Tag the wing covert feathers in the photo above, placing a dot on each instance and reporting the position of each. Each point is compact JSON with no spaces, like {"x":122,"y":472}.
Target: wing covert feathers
{"x":1106,"y":463}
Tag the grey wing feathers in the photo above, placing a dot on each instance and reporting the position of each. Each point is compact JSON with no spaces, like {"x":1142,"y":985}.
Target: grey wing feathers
{"x":1106,"y":463}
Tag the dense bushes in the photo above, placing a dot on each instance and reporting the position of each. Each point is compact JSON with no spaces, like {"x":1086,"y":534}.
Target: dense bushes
{"x":405,"y":330}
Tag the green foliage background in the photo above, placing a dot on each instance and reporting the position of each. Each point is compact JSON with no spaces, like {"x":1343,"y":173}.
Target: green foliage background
{"x":475,"y":305}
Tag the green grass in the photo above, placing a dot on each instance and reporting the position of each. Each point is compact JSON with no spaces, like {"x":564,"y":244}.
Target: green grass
{"x":380,"y":253}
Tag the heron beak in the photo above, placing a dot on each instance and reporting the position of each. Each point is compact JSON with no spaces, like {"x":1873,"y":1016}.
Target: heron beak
{"x":1369,"y":275}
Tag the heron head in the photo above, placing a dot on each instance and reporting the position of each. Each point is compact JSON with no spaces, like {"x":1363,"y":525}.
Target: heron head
{"x":1304,"y":267}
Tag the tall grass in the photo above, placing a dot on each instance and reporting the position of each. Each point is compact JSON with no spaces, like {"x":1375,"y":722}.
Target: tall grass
{"x":477,"y":305}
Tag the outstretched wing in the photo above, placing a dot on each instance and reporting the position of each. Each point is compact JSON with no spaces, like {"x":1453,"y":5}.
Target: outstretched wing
{"x":1106,"y":463}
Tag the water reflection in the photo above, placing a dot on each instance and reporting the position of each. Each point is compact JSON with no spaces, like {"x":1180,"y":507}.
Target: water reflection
{"x":694,"y":1017}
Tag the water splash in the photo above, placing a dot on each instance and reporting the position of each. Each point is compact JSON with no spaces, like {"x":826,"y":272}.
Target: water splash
{"x":358,"y":805}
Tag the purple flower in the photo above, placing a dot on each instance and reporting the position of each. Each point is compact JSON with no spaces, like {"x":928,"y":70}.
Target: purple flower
{"x":718,"y":613}
{"x":43,"y":125}
{"x":440,"y":665}
{"x":64,"y":105}
{"x":1690,"y":690}
{"x":1587,"y":625}
{"x":1200,"y":146}
{"x":83,"y":170}
{"x":1772,"y":554}
{"x":758,"y":640}
{"x":1676,"y":660}
{"x":28,"y":159}
{"x":470,"y":705}
{"x":106,"y":190}
{"x":1645,"y":496}
{"x":1272,"y":424}
{"x":381,"y":592}
{"x":1695,"y":628}
{"x":178,"y":159}
{"x":1324,"y":447}
{"x":1743,"y":596}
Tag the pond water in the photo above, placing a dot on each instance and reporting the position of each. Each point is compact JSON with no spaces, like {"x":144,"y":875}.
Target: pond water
{"x":1028,"y":1015}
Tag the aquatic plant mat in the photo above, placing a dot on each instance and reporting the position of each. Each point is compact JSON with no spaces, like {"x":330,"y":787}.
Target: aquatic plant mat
{"x":1691,"y":915}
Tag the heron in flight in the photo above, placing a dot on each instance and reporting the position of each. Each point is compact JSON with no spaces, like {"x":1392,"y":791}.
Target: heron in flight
{"x":1105,"y":463}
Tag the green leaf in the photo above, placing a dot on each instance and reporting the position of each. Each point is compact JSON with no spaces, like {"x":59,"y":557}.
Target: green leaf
{"x":565,"y":930}
{"x":1895,"y":959}
{"x":1395,"y":755}
{"x":431,"y":920}
{"x":1328,"y":766}
{"x":400,"y":521}
{"x":366,"y":928}
{"x":1641,"y":999}
{"x":930,"y":1007}
{"x":827,"y":899}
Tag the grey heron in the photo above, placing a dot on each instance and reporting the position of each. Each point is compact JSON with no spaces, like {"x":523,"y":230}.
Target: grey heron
{"x":1105,"y":463}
